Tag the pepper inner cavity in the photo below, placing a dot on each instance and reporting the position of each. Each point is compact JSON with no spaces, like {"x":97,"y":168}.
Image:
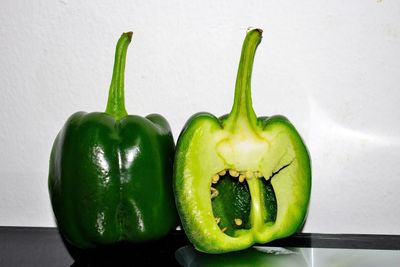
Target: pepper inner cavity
{"x":231,"y":200}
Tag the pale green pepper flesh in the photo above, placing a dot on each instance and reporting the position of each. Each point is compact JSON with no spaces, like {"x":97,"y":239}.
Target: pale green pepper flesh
{"x":239,"y":179}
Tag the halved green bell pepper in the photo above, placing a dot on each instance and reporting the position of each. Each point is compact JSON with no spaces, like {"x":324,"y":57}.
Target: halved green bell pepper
{"x":110,"y":173}
{"x":239,"y":179}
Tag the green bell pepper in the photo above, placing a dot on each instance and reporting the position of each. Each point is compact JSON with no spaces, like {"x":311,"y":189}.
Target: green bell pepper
{"x":110,"y":173}
{"x":238,"y":179}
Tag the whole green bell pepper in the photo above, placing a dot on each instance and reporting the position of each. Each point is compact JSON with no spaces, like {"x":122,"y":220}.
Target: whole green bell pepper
{"x":239,"y":179}
{"x":110,"y":173}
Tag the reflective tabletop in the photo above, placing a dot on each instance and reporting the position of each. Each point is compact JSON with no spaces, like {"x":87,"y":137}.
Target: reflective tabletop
{"x":33,"y":246}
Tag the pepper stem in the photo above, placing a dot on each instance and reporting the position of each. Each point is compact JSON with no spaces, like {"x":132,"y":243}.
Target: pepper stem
{"x":116,"y":99}
{"x":242,"y":113}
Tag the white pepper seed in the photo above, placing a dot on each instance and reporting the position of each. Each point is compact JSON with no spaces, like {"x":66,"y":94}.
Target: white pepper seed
{"x":233,"y":173}
{"x":214,"y":193}
{"x":238,"y":221}
{"x":222,"y":173}
{"x":215,"y":178}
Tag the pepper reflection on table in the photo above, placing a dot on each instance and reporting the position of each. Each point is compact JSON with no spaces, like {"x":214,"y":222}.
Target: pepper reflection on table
{"x":251,"y":257}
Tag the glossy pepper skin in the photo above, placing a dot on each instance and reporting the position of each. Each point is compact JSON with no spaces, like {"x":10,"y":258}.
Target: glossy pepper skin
{"x":110,"y":173}
{"x":239,"y":179}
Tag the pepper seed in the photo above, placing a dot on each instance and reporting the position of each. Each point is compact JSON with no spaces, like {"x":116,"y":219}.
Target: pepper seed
{"x":214,"y":193}
{"x":215,"y":178}
{"x":238,"y":221}
{"x":233,"y":173}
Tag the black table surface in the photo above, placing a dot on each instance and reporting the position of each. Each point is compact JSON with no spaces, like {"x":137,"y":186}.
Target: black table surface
{"x":41,"y":246}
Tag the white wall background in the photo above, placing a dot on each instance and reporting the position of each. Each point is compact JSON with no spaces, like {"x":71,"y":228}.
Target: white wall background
{"x":332,"y":67}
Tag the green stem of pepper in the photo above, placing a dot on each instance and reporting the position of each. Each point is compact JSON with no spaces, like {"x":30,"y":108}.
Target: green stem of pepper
{"x":242,"y":113}
{"x":116,"y":99}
